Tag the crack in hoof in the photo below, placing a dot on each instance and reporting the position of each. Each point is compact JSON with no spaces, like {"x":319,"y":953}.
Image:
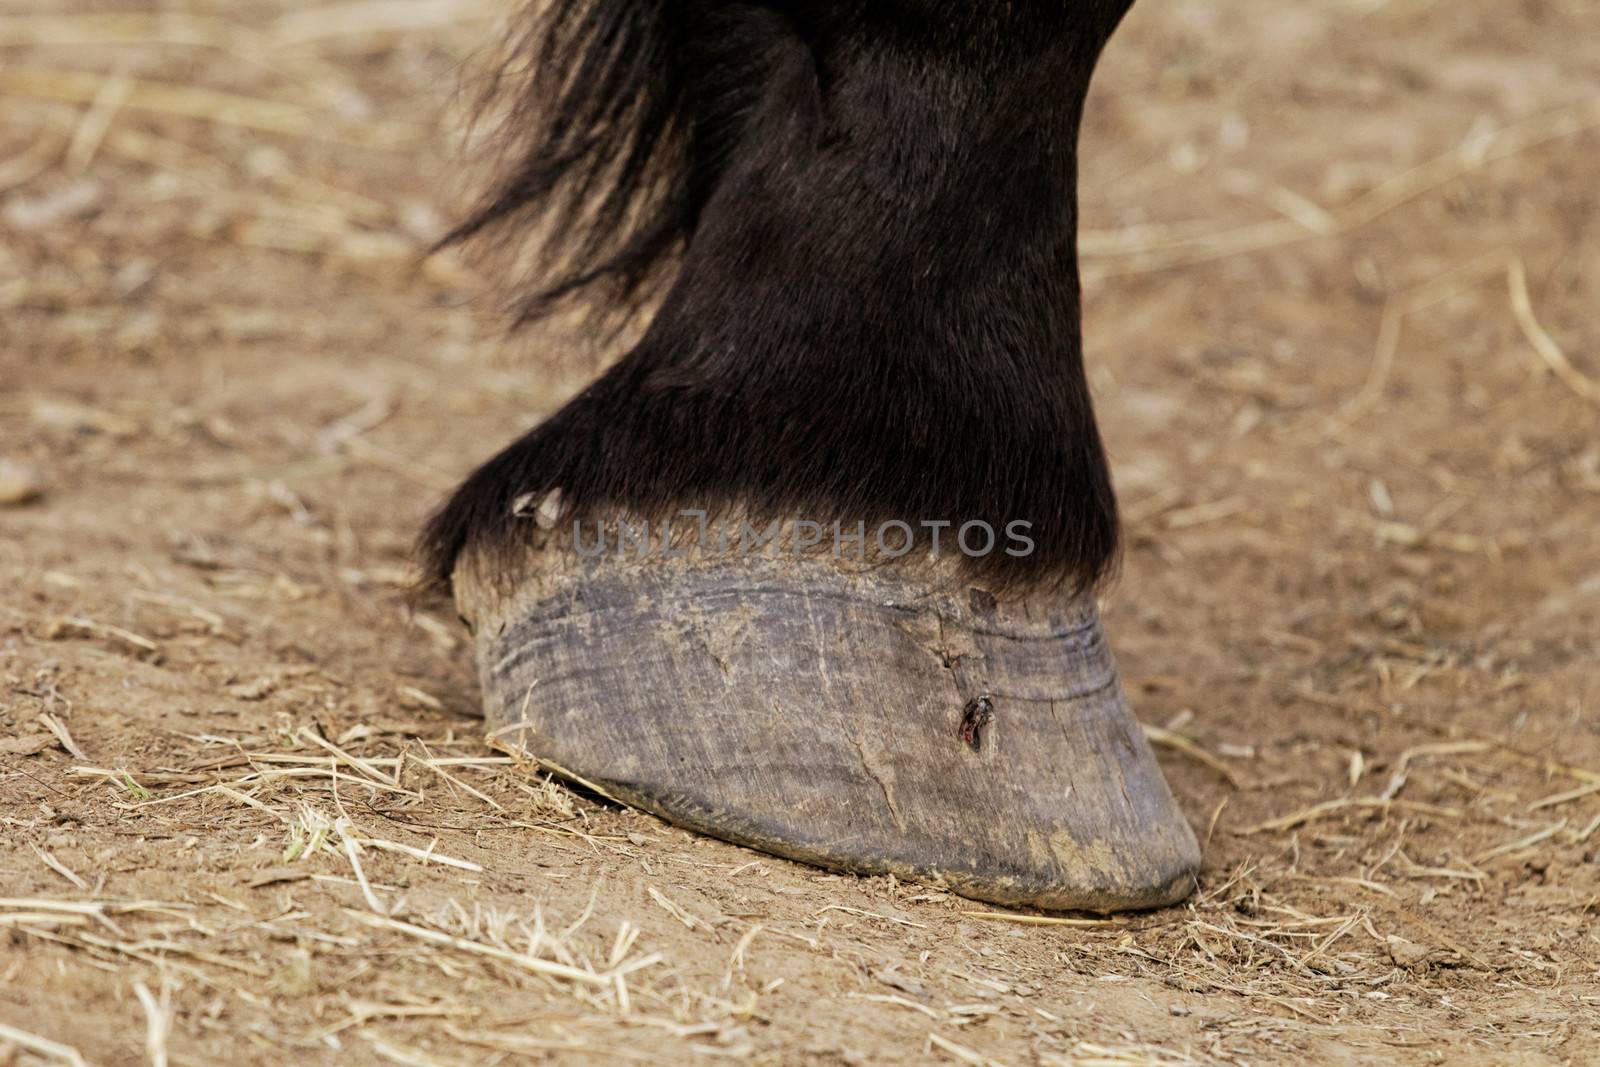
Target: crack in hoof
{"x":978,"y":713}
{"x":883,"y":774}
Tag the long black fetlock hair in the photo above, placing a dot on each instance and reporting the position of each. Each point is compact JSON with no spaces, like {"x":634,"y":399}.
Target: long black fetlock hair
{"x":615,"y":119}
{"x":862,"y":217}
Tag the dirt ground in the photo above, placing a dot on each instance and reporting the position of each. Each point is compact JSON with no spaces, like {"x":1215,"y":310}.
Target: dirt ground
{"x":1342,"y":262}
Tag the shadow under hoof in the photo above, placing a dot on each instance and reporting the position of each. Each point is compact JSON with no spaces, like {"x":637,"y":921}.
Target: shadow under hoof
{"x":869,"y":721}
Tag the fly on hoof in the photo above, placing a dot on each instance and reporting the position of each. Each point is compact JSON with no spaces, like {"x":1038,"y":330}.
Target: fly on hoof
{"x":812,"y":566}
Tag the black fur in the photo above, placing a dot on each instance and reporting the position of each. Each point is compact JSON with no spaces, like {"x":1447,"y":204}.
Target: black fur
{"x":871,"y":210}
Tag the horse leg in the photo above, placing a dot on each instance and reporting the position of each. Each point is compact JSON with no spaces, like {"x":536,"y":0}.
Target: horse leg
{"x":811,"y":568}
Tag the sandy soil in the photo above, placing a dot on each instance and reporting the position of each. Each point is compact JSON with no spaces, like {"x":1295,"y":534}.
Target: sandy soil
{"x":1342,"y":263}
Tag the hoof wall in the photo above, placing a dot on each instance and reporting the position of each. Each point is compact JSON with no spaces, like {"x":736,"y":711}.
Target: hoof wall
{"x":855,"y":721}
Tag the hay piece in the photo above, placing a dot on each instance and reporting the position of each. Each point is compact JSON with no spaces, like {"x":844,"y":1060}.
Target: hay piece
{"x":426,"y":855}
{"x":736,"y":957}
{"x":451,"y":780}
{"x":532,"y":964}
{"x":78,"y":627}
{"x":871,"y":915}
{"x":1334,"y":807}
{"x":42,"y":1045}
{"x":158,"y":1020}
{"x":96,"y":121}
{"x":40,"y":918}
{"x":897,"y":1001}
{"x":1565,"y":798}
{"x":404,"y":1055}
{"x":961,"y":1052}
{"x":1418,"y":298}
{"x":1036,"y":920}
{"x":1177,"y":742}
{"x":355,"y":761}
{"x":672,"y":909}
{"x":1520,"y":843}
{"x":1542,"y":342}
{"x":59,"y":729}
{"x":60,"y":868}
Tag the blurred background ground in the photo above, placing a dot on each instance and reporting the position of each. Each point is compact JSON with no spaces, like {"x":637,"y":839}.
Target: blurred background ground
{"x":1341,"y":264}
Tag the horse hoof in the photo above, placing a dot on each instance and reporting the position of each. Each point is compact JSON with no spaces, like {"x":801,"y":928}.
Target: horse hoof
{"x":853,"y":720}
